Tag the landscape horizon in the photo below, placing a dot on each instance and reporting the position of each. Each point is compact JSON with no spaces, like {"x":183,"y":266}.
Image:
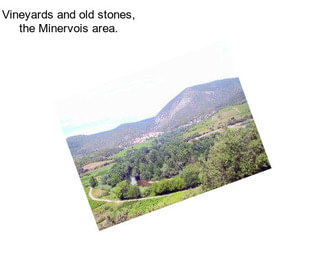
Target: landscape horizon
{"x":202,"y":139}
{"x":129,"y":122}
{"x":162,"y":135}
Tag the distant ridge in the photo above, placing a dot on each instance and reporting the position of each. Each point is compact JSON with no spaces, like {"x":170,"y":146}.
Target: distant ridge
{"x":192,"y":103}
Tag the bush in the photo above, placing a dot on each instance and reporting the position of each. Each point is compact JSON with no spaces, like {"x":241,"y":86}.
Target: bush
{"x":133,"y":192}
{"x":190,"y":175}
{"x":93,"y":182}
{"x":148,"y":192}
{"x":104,"y":179}
{"x":167,"y":186}
{"x":124,"y":190}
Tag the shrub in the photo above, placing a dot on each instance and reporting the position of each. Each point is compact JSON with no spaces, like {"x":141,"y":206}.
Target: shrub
{"x":124,"y":190}
{"x":190,"y":175}
{"x":93,"y":182}
{"x":104,"y":179}
{"x":167,"y":186}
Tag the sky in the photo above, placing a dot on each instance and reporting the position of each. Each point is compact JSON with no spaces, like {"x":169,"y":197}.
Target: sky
{"x":141,"y":95}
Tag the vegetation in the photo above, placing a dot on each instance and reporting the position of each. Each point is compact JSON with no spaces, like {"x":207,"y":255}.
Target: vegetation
{"x":110,"y":214}
{"x":181,"y":163}
{"x":124,"y":190}
{"x":138,"y":146}
{"x":93,"y":204}
{"x":190,"y":175}
{"x":166,"y":158}
{"x":95,"y":173}
{"x":236,"y":154}
{"x":227,"y":116}
{"x":193,"y":103}
{"x":93,"y":182}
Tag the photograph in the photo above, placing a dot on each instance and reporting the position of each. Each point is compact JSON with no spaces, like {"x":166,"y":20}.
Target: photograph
{"x":187,"y":131}
{"x":162,"y":135}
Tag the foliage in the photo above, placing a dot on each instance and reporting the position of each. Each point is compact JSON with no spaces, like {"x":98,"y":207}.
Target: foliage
{"x":226,"y":116}
{"x":237,"y":153}
{"x":130,"y":149}
{"x":95,"y":173}
{"x":93,"y":182}
{"x":117,"y":213}
{"x":177,"y":183}
{"x":190,"y":175}
{"x":167,"y":156}
{"x":124,"y":190}
{"x":104,"y":179}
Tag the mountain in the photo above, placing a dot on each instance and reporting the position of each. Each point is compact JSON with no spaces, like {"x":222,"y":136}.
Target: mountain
{"x":192,"y":103}
{"x":199,"y":100}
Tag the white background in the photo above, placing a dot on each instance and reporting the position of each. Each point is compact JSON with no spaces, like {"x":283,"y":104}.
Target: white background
{"x":271,"y":221}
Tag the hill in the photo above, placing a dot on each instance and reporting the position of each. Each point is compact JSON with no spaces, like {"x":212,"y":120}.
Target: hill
{"x":190,"y":105}
{"x":196,"y":101}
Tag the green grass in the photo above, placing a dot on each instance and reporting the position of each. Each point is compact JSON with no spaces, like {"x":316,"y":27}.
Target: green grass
{"x":94,"y":204}
{"x":104,"y":186}
{"x":214,"y":122}
{"x":138,"y":146}
{"x":118,"y":213}
{"x":200,"y":128}
{"x":95,"y":173}
{"x":85,"y":182}
{"x":242,"y":108}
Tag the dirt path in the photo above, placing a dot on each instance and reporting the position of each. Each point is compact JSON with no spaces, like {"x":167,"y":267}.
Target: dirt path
{"x":126,"y":200}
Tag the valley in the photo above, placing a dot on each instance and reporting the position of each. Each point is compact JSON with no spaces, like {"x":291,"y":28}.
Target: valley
{"x":202,"y":139}
{"x":180,"y":179}
{"x":189,"y":106}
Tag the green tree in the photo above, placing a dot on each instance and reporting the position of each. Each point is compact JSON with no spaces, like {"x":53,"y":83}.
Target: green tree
{"x":114,"y":179}
{"x":133,"y":192}
{"x":93,"y":182}
{"x":124,"y":190}
{"x":104,"y":179}
{"x":190,"y":175}
{"x":236,"y":154}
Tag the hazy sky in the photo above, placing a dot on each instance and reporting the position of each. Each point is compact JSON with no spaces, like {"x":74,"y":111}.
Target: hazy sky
{"x":141,"y":95}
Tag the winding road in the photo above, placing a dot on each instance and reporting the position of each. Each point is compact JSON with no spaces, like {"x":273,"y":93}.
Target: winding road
{"x":126,"y":200}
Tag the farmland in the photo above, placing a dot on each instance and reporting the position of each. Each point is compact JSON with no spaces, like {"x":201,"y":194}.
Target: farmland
{"x":178,"y":165}
{"x":226,"y":116}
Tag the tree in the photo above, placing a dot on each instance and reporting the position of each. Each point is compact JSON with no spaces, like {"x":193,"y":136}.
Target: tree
{"x":93,"y":182}
{"x":114,"y":179}
{"x":166,"y":171}
{"x":133,"y":192}
{"x":236,"y":154}
{"x":167,"y":156}
{"x":104,"y":179}
{"x":124,"y":190}
{"x":190,"y":175}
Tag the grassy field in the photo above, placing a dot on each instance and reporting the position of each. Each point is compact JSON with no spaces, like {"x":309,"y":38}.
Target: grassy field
{"x":93,"y":204}
{"x":218,"y":120}
{"x":95,"y":173}
{"x":138,"y":146}
{"x":94,"y":165}
{"x":109,"y":214}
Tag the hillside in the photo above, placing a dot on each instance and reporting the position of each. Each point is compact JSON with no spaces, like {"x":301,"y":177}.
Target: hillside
{"x":196,"y":101}
{"x":191,"y":104}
